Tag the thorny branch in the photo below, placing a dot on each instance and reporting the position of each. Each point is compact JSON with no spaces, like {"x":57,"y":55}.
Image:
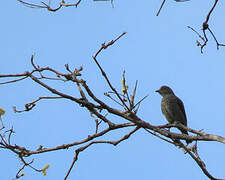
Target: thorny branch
{"x":127,"y":112}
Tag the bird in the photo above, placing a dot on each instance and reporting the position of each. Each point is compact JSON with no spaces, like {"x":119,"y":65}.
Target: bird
{"x":173,"y":108}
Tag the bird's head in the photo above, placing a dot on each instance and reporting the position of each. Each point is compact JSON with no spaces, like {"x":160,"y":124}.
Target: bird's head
{"x":165,"y":90}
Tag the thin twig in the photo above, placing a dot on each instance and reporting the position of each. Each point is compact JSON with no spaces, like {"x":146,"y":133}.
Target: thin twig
{"x":103,"y":72}
{"x":77,"y":151}
{"x":133,"y":95}
{"x":160,"y":7}
{"x":139,"y":102}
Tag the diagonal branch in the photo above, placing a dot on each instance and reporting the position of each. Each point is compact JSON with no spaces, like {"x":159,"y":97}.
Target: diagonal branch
{"x":77,"y":151}
{"x":103,"y":72}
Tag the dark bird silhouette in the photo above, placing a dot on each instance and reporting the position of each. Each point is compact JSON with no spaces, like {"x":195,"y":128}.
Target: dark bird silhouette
{"x":173,"y":108}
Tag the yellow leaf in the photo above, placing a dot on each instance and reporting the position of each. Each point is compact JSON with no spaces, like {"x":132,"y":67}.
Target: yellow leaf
{"x":2,"y":111}
{"x":44,"y":169}
{"x":123,"y":85}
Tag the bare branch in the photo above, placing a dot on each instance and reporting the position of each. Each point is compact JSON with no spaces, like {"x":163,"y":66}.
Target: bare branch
{"x":29,"y":106}
{"x":205,"y":26}
{"x":160,"y":7}
{"x":103,"y":72}
{"x":200,"y":163}
{"x":77,"y":151}
{"x":61,"y":4}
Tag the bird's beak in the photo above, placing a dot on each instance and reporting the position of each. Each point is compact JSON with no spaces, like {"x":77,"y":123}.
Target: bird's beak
{"x":157,"y":91}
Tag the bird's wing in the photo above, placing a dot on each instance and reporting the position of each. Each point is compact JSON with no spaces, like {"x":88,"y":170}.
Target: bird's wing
{"x":181,"y":106}
{"x":173,"y":109}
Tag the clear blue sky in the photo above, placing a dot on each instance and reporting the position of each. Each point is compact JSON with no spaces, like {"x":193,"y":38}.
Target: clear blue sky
{"x":155,"y":51}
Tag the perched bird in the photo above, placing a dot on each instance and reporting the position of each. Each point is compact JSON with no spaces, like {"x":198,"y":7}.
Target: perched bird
{"x":173,"y":108}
